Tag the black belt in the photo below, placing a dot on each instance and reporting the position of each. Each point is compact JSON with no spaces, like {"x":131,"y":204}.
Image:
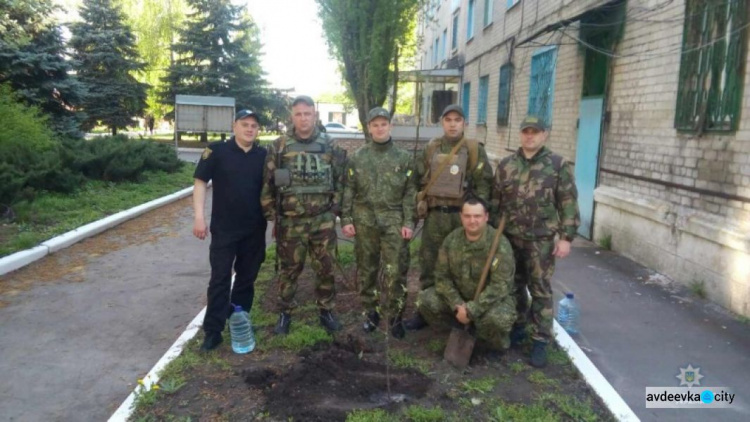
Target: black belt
{"x":446,"y":209}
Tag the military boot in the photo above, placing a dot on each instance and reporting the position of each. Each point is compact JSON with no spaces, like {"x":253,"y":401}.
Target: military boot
{"x":371,"y":322}
{"x":517,"y":335}
{"x":415,"y":323}
{"x":539,"y":354}
{"x":329,"y":321}
{"x":282,"y":326}
{"x":211,"y":341}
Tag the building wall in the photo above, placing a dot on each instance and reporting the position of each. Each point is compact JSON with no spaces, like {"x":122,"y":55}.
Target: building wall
{"x":662,"y":193}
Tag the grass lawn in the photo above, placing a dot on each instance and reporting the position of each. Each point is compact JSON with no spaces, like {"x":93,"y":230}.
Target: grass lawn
{"x":51,"y":214}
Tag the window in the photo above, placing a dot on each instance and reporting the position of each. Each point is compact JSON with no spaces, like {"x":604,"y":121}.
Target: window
{"x":432,"y":58}
{"x":444,"y":44}
{"x":455,"y":4}
{"x":465,"y":98}
{"x":542,"y":83}
{"x":709,"y":94}
{"x":436,"y":52}
{"x":454,"y":35}
{"x":512,"y":3}
{"x":503,"y":94}
{"x":487,"y":12}
{"x":470,"y":21}
{"x":484,"y":87}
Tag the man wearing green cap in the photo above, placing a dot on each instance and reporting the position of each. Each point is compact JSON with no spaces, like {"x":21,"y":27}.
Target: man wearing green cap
{"x":378,"y":210}
{"x":304,"y":172}
{"x":535,"y":190}
{"x":451,"y":169}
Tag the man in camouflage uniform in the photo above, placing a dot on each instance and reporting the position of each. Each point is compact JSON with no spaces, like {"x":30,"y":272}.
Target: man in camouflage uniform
{"x":468,"y":174}
{"x":535,"y":190}
{"x":378,"y":209}
{"x":459,"y":267}
{"x":304,"y":171}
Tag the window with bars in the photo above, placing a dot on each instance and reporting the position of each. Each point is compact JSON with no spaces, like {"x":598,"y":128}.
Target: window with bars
{"x":484,"y":86}
{"x":503,"y":94}
{"x":542,"y":84}
{"x":465,"y":98}
{"x":709,"y":94}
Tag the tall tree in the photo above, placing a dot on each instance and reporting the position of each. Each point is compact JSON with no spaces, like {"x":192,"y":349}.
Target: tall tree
{"x":21,"y":19}
{"x":366,"y":36}
{"x":218,"y":54}
{"x":106,"y":59}
{"x":40,"y":75}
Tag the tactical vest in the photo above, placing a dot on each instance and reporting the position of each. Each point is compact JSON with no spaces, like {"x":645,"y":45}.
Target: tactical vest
{"x":454,"y":181}
{"x":310,"y":166}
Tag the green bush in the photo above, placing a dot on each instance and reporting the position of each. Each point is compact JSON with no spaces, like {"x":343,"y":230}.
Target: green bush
{"x":29,"y":153}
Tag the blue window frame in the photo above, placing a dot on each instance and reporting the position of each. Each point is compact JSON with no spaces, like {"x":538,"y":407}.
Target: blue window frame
{"x":454,"y":35}
{"x":503,"y":94}
{"x":470,"y":21}
{"x":542,"y":84}
{"x":484,"y":87}
{"x":512,"y":3}
{"x":487,"y":12}
{"x":465,"y":99}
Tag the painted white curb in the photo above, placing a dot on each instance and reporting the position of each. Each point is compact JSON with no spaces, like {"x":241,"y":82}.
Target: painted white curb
{"x":22,"y":258}
{"x":126,"y":408}
{"x":620,"y":410}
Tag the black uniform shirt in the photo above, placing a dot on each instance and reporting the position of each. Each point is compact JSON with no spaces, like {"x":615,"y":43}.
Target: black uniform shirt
{"x":237,"y":181}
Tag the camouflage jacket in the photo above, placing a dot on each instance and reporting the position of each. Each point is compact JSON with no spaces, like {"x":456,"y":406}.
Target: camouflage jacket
{"x":459,"y":267}
{"x":379,"y":182}
{"x":480,"y":177}
{"x":538,"y":196}
{"x":302,"y":205}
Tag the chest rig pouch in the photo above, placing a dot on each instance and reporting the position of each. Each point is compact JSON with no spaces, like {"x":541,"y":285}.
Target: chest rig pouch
{"x":451,"y":182}
{"x":304,"y":168}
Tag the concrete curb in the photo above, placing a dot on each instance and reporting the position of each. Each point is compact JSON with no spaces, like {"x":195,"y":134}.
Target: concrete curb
{"x":126,"y":408}
{"x":23,"y":258}
{"x":620,"y":410}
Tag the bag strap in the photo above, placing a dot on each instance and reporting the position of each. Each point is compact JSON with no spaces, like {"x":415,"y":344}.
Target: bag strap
{"x":490,"y":257}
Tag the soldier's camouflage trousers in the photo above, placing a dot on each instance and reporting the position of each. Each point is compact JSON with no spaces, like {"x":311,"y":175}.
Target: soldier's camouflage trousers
{"x":297,"y":237}
{"x":374,"y":244}
{"x":493,"y":327}
{"x":534,"y":267}
{"x":436,"y":227}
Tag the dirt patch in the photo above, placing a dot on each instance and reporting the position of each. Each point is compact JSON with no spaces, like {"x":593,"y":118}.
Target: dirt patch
{"x":69,"y":264}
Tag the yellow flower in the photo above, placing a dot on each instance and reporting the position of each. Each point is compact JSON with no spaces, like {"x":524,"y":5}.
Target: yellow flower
{"x":140,"y":382}
{"x":155,"y":387}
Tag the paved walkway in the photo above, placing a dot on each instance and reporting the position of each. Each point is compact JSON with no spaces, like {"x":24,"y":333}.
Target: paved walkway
{"x":639,"y":332}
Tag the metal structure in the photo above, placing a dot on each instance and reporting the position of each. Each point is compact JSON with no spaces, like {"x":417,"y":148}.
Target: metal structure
{"x":194,"y":113}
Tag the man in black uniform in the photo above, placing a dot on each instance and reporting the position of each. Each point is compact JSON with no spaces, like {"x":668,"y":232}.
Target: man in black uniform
{"x":237,"y":224}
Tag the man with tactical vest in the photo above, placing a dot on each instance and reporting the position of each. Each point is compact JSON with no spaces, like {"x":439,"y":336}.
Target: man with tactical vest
{"x":460,"y":262}
{"x":535,"y":190}
{"x":302,"y":194}
{"x":451,"y":169}
{"x":378,"y":208}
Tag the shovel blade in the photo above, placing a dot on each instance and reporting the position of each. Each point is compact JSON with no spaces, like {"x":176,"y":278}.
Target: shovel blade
{"x":459,"y":348}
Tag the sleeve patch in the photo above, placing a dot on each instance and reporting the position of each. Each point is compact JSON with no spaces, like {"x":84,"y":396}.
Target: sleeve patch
{"x":206,"y":153}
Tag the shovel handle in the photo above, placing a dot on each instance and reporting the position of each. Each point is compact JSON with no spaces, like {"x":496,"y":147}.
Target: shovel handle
{"x":488,"y":262}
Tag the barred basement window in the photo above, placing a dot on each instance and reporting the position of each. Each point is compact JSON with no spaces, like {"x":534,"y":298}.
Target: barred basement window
{"x":709,"y":94}
{"x":503,"y":94}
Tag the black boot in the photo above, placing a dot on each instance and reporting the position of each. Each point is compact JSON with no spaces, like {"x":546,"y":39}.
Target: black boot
{"x":415,"y":323}
{"x":329,"y":321}
{"x":539,"y":354}
{"x":517,"y":335}
{"x":397,"y":328}
{"x":371,"y":322}
{"x":282,"y":325}
{"x":211,"y":341}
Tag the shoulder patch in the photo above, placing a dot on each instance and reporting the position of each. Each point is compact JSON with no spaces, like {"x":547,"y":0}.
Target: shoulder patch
{"x":206,"y":153}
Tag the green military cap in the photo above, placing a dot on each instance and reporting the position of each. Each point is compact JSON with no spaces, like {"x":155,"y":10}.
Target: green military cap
{"x":304,"y":99}
{"x":534,"y":122}
{"x":453,"y":107}
{"x":378,"y":112}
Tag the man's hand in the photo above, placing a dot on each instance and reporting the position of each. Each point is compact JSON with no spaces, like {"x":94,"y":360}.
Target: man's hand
{"x":462,"y":315}
{"x":562,"y":249}
{"x":349,"y":230}
{"x":199,"y":228}
{"x":406,"y":233}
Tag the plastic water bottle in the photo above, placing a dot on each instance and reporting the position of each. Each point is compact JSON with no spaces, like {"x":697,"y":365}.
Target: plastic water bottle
{"x":569,"y":314}
{"x":241,"y":330}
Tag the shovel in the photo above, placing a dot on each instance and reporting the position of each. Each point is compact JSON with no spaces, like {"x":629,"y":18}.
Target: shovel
{"x":460,"y":342}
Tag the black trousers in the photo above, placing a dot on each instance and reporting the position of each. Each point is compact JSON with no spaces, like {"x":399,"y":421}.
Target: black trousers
{"x":246,"y":253}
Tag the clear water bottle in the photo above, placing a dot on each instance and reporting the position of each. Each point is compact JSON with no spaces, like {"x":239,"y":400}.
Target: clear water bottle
{"x":241,"y":330}
{"x":569,"y":314}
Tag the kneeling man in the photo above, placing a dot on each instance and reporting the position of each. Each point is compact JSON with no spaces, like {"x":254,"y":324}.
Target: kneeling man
{"x":460,"y":262}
